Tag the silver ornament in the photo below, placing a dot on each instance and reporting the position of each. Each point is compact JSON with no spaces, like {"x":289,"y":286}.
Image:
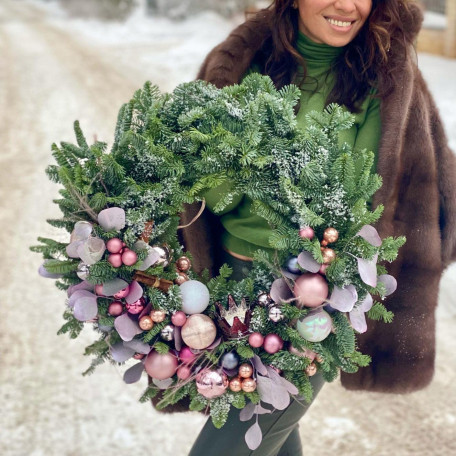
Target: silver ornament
{"x":164,"y":253}
{"x":83,"y":271}
{"x":275,"y":314}
{"x":167,"y":333}
{"x":264,"y":300}
{"x":292,"y":265}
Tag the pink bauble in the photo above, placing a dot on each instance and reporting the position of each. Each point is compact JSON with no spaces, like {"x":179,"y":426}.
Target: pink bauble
{"x":159,"y":366}
{"x":323,"y":268}
{"x":311,"y":290}
{"x":306,"y":232}
{"x":114,"y":245}
{"x":136,"y":307}
{"x":186,"y":355}
{"x":99,"y":289}
{"x":184,"y":372}
{"x":179,"y":318}
{"x":273,"y":343}
{"x":129,"y":258}
{"x":306,"y":353}
{"x":122,"y":293}
{"x":211,"y":383}
{"x":115,"y":308}
{"x":115,"y":259}
{"x":256,"y":340}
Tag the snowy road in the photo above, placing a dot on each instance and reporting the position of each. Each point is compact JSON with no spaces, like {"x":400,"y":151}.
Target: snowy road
{"x":53,"y":71}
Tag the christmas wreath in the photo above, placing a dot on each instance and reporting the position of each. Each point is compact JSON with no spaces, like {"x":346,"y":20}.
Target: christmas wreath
{"x":219,"y":342}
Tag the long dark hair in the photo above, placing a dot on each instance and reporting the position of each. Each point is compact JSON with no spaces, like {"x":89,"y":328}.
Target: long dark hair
{"x":358,"y":68}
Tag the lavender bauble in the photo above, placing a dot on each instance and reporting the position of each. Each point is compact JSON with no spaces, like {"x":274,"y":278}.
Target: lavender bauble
{"x":159,"y":366}
{"x":311,"y":290}
{"x":315,"y":326}
{"x":211,"y":383}
{"x":195,"y":297}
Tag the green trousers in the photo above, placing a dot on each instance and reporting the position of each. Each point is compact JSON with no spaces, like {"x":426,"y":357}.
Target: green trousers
{"x":279,"y":428}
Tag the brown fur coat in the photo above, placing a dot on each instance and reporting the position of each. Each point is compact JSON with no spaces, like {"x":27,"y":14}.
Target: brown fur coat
{"x":419,"y":195}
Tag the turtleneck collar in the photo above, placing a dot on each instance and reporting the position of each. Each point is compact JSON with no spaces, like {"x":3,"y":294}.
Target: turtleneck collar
{"x":315,"y":54}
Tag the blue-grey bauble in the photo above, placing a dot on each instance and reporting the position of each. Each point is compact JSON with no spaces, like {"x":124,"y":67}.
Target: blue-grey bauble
{"x":292,"y":265}
{"x":230,"y":360}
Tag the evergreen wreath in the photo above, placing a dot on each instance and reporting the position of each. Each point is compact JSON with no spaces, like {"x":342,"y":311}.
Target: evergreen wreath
{"x":219,"y":342}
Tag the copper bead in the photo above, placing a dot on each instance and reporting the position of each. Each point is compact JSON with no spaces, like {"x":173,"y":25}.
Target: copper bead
{"x":329,"y":255}
{"x":248,"y":385}
{"x":181,"y":278}
{"x":183,"y":264}
{"x":330,"y":235}
{"x":235,"y":384}
{"x":245,"y":370}
{"x":311,"y":369}
{"x":157,"y":315}
{"x":146,"y":323}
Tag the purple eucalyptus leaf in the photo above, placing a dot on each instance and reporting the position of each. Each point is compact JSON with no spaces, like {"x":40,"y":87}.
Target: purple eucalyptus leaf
{"x":259,"y":366}
{"x":177,"y":338}
{"x":308,"y":262}
{"x":133,"y":374}
{"x":214,"y":344}
{"x":368,"y":271}
{"x":81,"y":231}
{"x":289,"y":386}
{"x":104,"y":328}
{"x":390,"y":283}
{"x":73,"y":247}
{"x":111,"y":287}
{"x":253,"y":436}
{"x":135,"y":292}
{"x":280,"y":291}
{"x":112,"y":219}
{"x":231,"y":372}
{"x":152,"y":257}
{"x":281,"y":396}
{"x":138,"y":346}
{"x":265,"y":388}
{"x":43,"y":272}
{"x":370,"y":234}
{"x":259,"y":410}
{"x":366,"y":303}
{"x":247,"y":412}
{"x":79,"y":294}
{"x":163,"y":384}
{"x":120,"y":353}
{"x":358,"y":319}
{"x":84,"y":285}
{"x":289,"y":275}
{"x":91,"y":250}
{"x":343,"y":299}
{"x":85,"y":308}
{"x":126,"y":327}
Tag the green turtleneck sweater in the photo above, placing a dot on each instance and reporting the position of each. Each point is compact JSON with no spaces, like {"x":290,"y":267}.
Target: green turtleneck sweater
{"x":245,"y":232}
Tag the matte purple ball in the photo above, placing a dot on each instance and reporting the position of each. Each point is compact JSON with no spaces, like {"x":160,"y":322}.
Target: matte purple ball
{"x":256,"y":340}
{"x":115,"y":308}
{"x":179,"y":318}
{"x":114,"y":245}
{"x":129,"y":258}
{"x":311,"y":290}
{"x":115,"y":259}
{"x":159,"y":366}
{"x":272,"y":343}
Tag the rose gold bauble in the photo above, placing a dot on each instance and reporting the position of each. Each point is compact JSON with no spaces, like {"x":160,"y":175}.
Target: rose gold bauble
{"x":311,"y":290}
{"x":115,"y":259}
{"x":235,"y":384}
{"x":157,"y":315}
{"x":183,"y":264}
{"x":323,"y":268}
{"x":179,"y":318}
{"x":211,"y":383}
{"x":129,"y":258}
{"x":245,"y":370}
{"x":184,"y":372}
{"x":256,"y":340}
{"x":115,"y":308}
{"x":199,"y":331}
{"x":311,"y":369}
{"x":330,"y":235}
{"x":159,"y":366}
{"x":272,"y":343}
{"x":306,"y":232}
{"x":248,"y":385}
{"x":329,"y":255}
{"x":181,"y":278}
{"x":146,"y":323}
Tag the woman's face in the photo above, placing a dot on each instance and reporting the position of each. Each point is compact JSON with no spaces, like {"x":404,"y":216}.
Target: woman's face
{"x":333,"y":22}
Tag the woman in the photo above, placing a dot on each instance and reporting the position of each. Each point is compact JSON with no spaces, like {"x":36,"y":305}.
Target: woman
{"x":358,"y":53}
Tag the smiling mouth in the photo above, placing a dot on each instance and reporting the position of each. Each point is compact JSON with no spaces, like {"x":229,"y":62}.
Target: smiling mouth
{"x":339,"y":23}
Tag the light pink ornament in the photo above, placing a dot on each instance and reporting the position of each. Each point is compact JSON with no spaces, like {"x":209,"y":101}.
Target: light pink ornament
{"x":114,"y":245}
{"x":211,"y":383}
{"x":99,"y":289}
{"x":159,"y":366}
{"x":256,"y":340}
{"x":323,"y":268}
{"x":136,"y":307}
{"x":122,"y":293}
{"x":186,"y":355}
{"x":273,"y":343}
{"x":129,"y":258}
{"x":306,"y":232}
{"x":115,"y":308}
{"x":179,"y":318}
{"x":184,"y":372}
{"x":311,"y":290}
{"x":115,"y":259}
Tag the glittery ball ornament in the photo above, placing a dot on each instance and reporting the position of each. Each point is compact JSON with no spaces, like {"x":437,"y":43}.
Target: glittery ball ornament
{"x":329,"y":255}
{"x":114,"y":245}
{"x":183,"y":264}
{"x":245,"y":370}
{"x":211,"y":383}
{"x":306,"y":232}
{"x":129,"y":258}
{"x":264,"y":300}
{"x":160,"y":366}
{"x":178,"y":318}
{"x":330,"y":235}
{"x":157,"y":315}
{"x":311,"y":290}
{"x":167,"y":333}
{"x":82,"y":271}
{"x":199,"y":331}
{"x":272,"y":343}
{"x":311,"y":369}
{"x":146,"y":323}
{"x":229,"y":360}
{"x":275,"y":314}
{"x":181,"y":278}
{"x":122,"y":293}
{"x":164,"y":255}
{"x":235,"y":384}
{"x":115,"y":308}
{"x":195,"y":297}
{"x":315,"y":326}
{"x":248,"y":385}
{"x":292,"y":265}
{"x":256,"y":340}
{"x":136,"y":307}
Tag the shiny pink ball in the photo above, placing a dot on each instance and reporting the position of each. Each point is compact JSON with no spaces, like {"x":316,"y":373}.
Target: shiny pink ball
{"x":99,"y":289}
{"x":256,"y":340}
{"x":114,"y":245}
{"x":122,"y":293}
{"x":136,"y":307}
{"x":129,"y":258}
{"x":186,"y":355}
{"x":273,"y":343}
{"x":311,"y":290}
{"x":115,"y":308}
{"x":184,"y":372}
{"x":159,"y":366}
{"x":306,"y":232}
{"x":211,"y":383}
{"x":179,"y":318}
{"x":115,"y":259}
